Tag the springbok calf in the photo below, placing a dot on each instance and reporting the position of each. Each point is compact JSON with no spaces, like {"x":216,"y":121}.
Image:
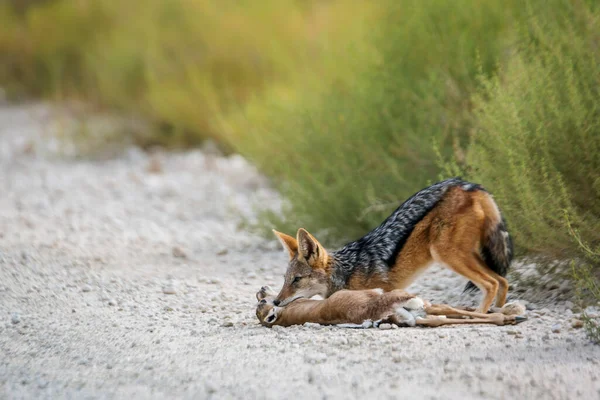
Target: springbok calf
{"x":366,"y":308}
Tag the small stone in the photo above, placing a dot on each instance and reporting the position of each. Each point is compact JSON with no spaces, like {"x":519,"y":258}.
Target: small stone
{"x":86,"y":288}
{"x":310,"y":376}
{"x":577,"y":323}
{"x":154,"y":165}
{"x":15,"y":318}
{"x":556,"y":328}
{"x":112,"y":302}
{"x":222,"y":252}
{"x":530,"y":306}
{"x":210,"y":388}
{"x":565,"y":287}
{"x":169,"y":289}
{"x":439,"y":286}
{"x":569,"y":305}
{"x":227,"y":324}
{"x":178,"y":252}
{"x":568,"y":313}
{"x":385,"y":326}
{"x":512,"y":332}
{"x":251,"y":275}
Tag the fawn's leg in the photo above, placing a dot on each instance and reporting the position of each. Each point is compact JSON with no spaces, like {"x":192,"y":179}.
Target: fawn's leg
{"x":455,"y":314}
{"x":265,"y":292}
{"x":497,"y":319}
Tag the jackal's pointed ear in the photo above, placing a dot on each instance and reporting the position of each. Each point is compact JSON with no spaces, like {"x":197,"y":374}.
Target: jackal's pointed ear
{"x":311,"y":249}
{"x":289,"y":243}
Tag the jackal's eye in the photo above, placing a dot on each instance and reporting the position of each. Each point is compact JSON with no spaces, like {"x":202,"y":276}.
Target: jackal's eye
{"x":296,"y":279}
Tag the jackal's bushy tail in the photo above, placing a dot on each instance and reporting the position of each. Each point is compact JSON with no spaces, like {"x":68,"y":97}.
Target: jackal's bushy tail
{"x":497,"y":250}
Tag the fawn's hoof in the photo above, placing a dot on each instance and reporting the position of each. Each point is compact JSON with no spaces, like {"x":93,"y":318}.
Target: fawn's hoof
{"x":264,"y":292}
{"x":520,"y":318}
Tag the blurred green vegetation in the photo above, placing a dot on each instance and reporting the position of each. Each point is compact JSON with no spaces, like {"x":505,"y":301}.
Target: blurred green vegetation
{"x":537,"y":139}
{"x":349,"y":106}
{"x":348,"y":155}
{"x":179,"y":63}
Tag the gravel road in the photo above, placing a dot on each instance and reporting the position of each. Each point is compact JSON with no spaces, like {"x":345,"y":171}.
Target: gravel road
{"x":129,"y":277}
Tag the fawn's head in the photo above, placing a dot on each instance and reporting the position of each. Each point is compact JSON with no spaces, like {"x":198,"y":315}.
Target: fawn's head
{"x":266,"y":311}
{"x":307,"y":274}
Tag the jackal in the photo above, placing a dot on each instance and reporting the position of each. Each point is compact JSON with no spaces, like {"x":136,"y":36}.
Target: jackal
{"x":454,"y":223}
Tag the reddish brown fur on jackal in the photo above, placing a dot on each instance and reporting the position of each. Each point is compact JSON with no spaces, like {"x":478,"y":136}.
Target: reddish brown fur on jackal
{"x":455,"y":233}
{"x":450,"y":234}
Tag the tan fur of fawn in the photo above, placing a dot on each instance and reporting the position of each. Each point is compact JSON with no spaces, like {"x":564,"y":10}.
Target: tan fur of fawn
{"x":455,"y":232}
{"x":364,"y":308}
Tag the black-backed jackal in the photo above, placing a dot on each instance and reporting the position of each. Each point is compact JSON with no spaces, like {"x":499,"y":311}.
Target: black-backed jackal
{"x":453,"y":223}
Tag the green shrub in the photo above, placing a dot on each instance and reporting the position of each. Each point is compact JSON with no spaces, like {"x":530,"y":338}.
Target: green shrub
{"x":179,"y":63}
{"x":537,"y":139}
{"x":586,"y":274}
{"x":347,"y":155}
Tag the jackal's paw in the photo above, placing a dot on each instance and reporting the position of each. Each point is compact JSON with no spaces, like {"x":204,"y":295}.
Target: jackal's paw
{"x":265,"y":292}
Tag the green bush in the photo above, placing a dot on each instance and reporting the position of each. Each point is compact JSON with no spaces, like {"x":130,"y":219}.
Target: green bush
{"x":179,"y":63}
{"x":586,"y":274}
{"x":537,"y":139}
{"x":348,"y":106}
{"x":347,"y":155}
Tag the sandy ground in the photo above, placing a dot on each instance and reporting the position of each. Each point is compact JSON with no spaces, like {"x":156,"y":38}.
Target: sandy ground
{"x":129,"y":278}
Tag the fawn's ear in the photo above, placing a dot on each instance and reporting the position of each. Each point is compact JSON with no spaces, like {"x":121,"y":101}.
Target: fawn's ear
{"x":289,"y":243}
{"x":311,"y":250}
